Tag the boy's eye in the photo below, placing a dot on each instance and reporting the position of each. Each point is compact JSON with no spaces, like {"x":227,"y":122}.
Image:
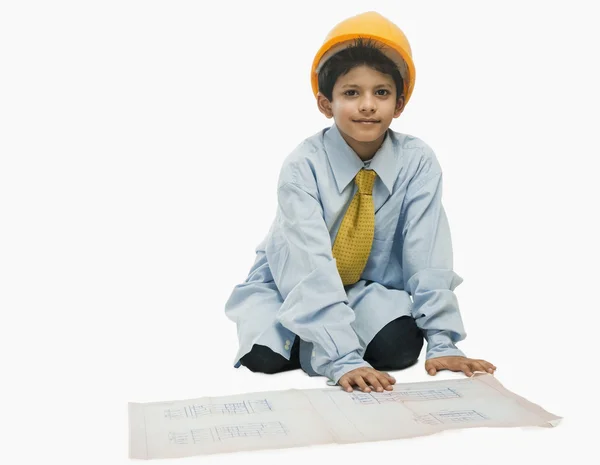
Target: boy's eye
{"x":379,"y":90}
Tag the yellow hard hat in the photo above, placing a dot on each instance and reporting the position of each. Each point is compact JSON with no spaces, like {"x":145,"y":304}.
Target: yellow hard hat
{"x":376,"y":27}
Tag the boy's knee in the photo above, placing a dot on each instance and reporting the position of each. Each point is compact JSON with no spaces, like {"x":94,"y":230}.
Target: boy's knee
{"x":397,"y":346}
{"x":262,"y":359}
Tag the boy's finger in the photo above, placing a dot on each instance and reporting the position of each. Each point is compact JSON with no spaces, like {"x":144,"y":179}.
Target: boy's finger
{"x":478,"y":366}
{"x":466,"y":370}
{"x":345,"y":385}
{"x":374,"y":381}
{"x":361,"y":384}
{"x":431,"y":367}
{"x":483,"y":365}
{"x":385,"y":382}
{"x":389,"y":377}
{"x":489,"y":366}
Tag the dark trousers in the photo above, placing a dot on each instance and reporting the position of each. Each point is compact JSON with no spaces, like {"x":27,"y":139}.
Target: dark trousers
{"x":395,"y":347}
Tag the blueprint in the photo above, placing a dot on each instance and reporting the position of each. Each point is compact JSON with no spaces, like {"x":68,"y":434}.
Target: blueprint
{"x":301,"y":417}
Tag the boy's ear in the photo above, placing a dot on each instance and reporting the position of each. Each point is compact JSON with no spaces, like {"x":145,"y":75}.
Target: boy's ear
{"x":324,"y":105}
{"x":399,"y":106}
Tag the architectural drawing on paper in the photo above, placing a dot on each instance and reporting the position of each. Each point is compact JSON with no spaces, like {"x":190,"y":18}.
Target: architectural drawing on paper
{"x":404,"y":395}
{"x":448,"y":417}
{"x":301,"y":417}
{"x":221,"y":433}
{"x":232,"y":408}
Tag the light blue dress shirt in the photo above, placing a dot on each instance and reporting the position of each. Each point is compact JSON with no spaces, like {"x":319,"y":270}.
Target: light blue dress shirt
{"x":294,"y":287}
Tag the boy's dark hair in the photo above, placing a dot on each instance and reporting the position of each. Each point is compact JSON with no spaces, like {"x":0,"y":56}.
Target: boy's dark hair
{"x":363,"y":51}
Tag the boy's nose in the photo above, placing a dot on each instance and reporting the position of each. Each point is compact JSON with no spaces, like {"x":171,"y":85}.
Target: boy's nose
{"x":367,"y":104}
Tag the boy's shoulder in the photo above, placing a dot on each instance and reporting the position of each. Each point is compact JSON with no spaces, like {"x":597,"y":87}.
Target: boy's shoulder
{"x":300,"y":165}
{"x":420,"y":156}
{"x":412,"y":149}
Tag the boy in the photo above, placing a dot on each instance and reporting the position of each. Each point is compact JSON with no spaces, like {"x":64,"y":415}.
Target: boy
{"x":330,"y":290}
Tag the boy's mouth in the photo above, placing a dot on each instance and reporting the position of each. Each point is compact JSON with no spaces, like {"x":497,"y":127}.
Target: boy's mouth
{"x":366,"y":121}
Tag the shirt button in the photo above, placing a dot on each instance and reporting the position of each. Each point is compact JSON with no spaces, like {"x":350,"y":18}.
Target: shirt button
{"x":313,"y":353}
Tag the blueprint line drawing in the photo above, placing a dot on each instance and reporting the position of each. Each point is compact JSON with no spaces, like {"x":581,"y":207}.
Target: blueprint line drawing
{"x":301,"y":417}
{"x":233,"y":408}
{"x":221,"y":433}
{"x":451,"y":417}
{"x":249,"y":429}
{"x":367,"y":398}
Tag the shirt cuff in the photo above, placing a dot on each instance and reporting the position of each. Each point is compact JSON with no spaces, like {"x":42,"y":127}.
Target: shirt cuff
{"x":448,"y":352}
{"x":439,"y":344}
{"x":336,"y":369}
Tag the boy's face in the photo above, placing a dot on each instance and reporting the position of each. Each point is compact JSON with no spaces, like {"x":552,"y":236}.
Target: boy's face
{"x":362,"y":93}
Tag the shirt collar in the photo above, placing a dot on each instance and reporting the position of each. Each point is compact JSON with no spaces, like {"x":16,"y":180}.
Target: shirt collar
{"x":345,"y":163}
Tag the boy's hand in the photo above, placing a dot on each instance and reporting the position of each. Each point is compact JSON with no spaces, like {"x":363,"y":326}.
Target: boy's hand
{"x":365,"y":376}
{"x":454,"y":363}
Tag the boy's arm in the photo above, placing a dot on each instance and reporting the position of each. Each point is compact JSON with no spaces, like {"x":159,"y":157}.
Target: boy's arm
{"x":427,"y":264}
{"x":304,"y":270}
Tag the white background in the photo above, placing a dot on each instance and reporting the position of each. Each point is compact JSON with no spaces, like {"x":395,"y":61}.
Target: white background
{"x":140,"y":144}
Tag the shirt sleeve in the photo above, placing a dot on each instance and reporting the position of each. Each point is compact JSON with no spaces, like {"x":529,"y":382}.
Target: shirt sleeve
{"x":305,"y":272}
{"x":427,"y":266}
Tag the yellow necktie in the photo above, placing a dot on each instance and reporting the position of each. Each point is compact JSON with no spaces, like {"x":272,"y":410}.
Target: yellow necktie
{"x":354,"y":239}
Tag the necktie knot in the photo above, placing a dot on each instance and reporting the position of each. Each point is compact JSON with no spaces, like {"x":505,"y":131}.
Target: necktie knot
{"x":365,"y":179}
